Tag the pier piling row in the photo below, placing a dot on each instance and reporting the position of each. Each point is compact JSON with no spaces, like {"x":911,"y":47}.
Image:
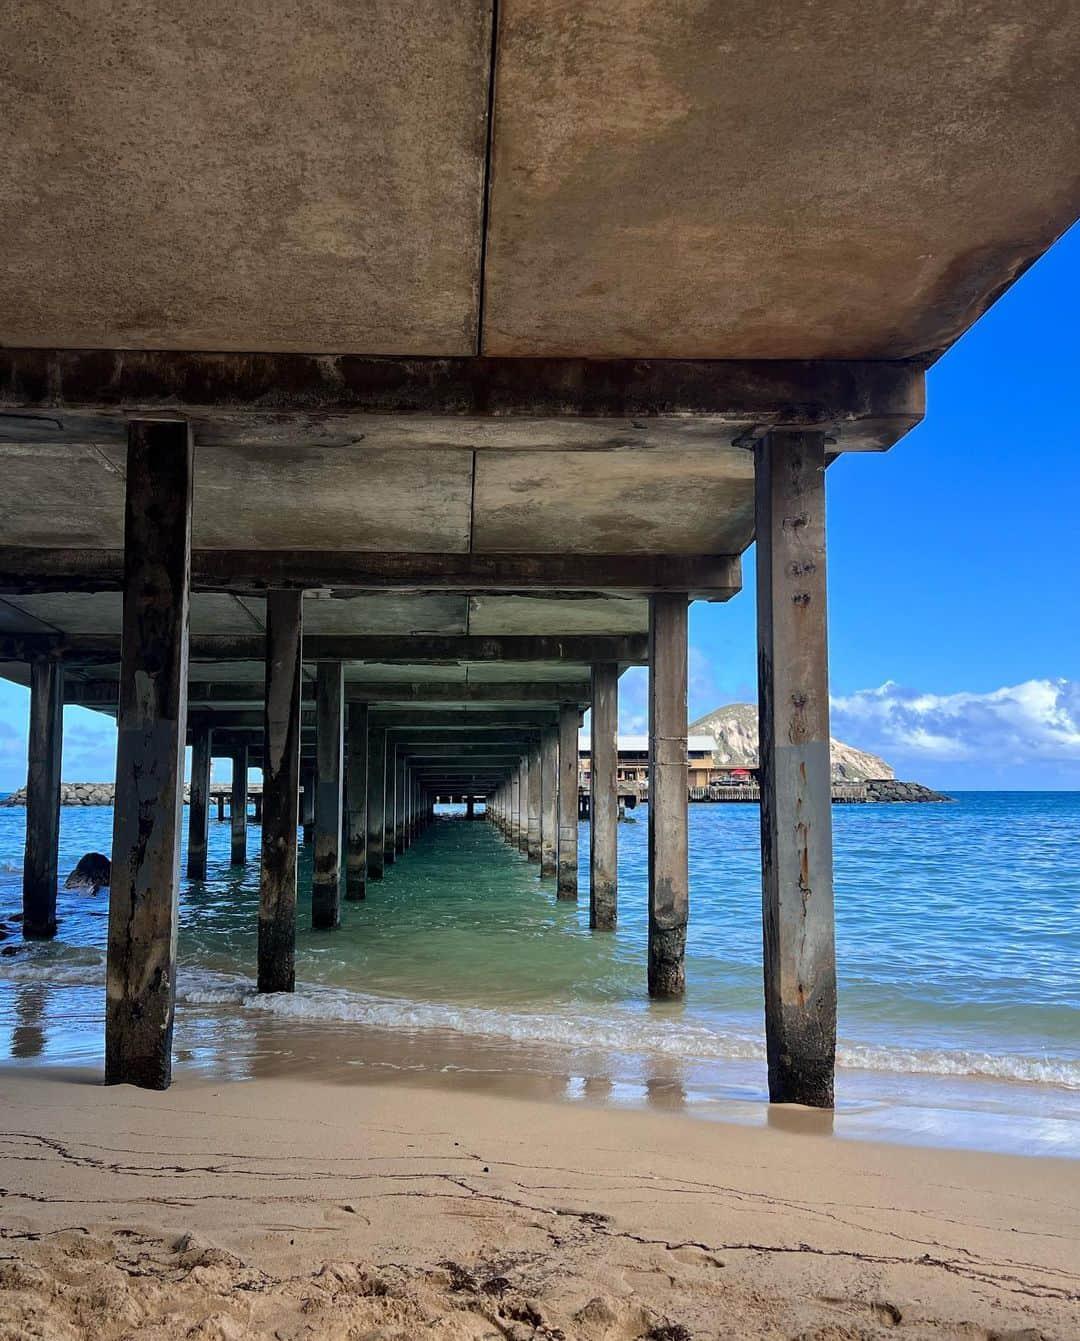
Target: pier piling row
{"x":359,"y":734}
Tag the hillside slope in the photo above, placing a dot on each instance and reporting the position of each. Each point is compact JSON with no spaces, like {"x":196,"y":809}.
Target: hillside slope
{"x":734,"y":728}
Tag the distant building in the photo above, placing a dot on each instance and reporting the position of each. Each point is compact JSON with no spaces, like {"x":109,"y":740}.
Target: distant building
{"x":633,"y":766}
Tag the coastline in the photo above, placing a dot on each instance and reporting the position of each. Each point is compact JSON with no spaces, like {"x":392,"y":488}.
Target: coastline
{"x":299,"y":1207}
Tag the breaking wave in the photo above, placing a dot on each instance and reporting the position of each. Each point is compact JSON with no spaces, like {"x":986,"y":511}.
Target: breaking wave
{"x":616,"y":1031}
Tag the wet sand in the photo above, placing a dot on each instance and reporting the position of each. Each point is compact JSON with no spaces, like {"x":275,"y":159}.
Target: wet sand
{"x":290,"y":1208}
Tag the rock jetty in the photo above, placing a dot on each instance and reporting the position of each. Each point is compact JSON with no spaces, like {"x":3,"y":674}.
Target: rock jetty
{"x":101,"y":793}
{"x":71,"y":794}
{"x":889,"y":789}
{"x":76,"y":794}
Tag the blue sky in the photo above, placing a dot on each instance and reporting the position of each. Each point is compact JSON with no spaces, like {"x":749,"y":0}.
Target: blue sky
{"x":954,"y":578}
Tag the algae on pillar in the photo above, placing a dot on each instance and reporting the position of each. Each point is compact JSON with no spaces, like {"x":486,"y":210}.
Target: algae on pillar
{"x":45,"y":741}
{"x":151,"y":730}
{"x":795,"y":771}
{"x":567,"y":887}
{"x":357,"y":789}
{"x":199,"y":802}
{"x":281,"y":792}
{"x":604,"y":798}
{"x":329,"y":750}
{"x":669,"y":899}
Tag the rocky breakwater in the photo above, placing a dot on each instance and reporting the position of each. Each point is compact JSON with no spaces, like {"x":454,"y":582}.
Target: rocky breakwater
{"x":101,"y":794}
{"x":71,"y":794}
{"x":889,"y":789}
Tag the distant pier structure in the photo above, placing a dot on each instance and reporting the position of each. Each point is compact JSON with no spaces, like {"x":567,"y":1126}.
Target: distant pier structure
{"x":365,"y":430}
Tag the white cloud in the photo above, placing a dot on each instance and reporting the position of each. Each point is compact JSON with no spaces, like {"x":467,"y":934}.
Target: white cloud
{"x":1036,"y":720}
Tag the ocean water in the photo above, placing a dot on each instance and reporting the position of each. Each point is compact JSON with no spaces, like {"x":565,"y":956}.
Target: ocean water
{"x":958,"y":945}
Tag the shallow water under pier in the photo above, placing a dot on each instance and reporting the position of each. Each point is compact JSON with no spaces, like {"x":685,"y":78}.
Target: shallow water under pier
{"x":462,"y":967}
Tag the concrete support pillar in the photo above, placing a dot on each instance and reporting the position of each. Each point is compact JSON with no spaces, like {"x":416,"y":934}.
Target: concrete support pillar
{"x":399,"y":804}
{"x":391,"y":803}
{"x":357,"y":822}
{"x":238,"y":805}
{"x":376,"y":802}
{"x":534,"y":804}
{"x":470,"y":807}
{"x":515,"y":807}
{"x":45,"y":747}
{"x":523,"y":831}
{"x":281,"y":792}
{"x":568,"y":802}
{"x":140,"y":990}
{"x":257,"y":802}
{"x":199,"y":802}
{"x":604,"y":799}
{"x":796,"y":811}
{"x":307,"y":805}
{"x":329,"y":782}
{"x":669,"y":897}
{"x":221,"y":807}
{"x":549,"y":801}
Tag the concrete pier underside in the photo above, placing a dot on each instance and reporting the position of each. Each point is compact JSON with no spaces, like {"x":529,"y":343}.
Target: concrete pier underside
{"x":480,"y":327}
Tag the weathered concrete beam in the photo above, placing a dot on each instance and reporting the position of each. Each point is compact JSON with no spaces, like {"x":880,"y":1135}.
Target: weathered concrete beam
{"x":225,"y":694}
{"x":104,"y":649}
{"x":241,"y":397}
{"x":141,"y":973}
{"x":796,"y":811}
{"x":382,"y":694}
{"x":604,"y":799}
{"x":500,"y":744}
{"x":199,"y":803}
{"x":329,"y":781}
{"x":567,"y":887}
{"x":45,"y":743}
{"x":26,"y":570}
{"x":478,"y":719}
{"x":281,"y":792}
{"x":669,"y":899}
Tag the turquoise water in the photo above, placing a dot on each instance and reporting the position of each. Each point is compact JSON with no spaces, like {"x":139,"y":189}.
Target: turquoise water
{"x":958,"y":941}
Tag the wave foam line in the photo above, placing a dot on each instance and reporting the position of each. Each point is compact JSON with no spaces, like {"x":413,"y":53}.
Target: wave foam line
{"x":614,"y":1032}
{"x":610,"y":1033}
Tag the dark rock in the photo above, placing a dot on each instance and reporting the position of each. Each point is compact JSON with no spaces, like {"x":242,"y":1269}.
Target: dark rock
{"x":889,"y":789}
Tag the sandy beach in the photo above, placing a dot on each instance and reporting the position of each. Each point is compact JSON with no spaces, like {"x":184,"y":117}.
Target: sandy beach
{"x":293,"y":1208}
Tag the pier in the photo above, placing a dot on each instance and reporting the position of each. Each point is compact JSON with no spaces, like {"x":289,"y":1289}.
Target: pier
{"x":365,"y":431}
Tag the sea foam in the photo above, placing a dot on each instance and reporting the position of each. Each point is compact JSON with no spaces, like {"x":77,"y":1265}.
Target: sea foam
{"x":616,"y":1031}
